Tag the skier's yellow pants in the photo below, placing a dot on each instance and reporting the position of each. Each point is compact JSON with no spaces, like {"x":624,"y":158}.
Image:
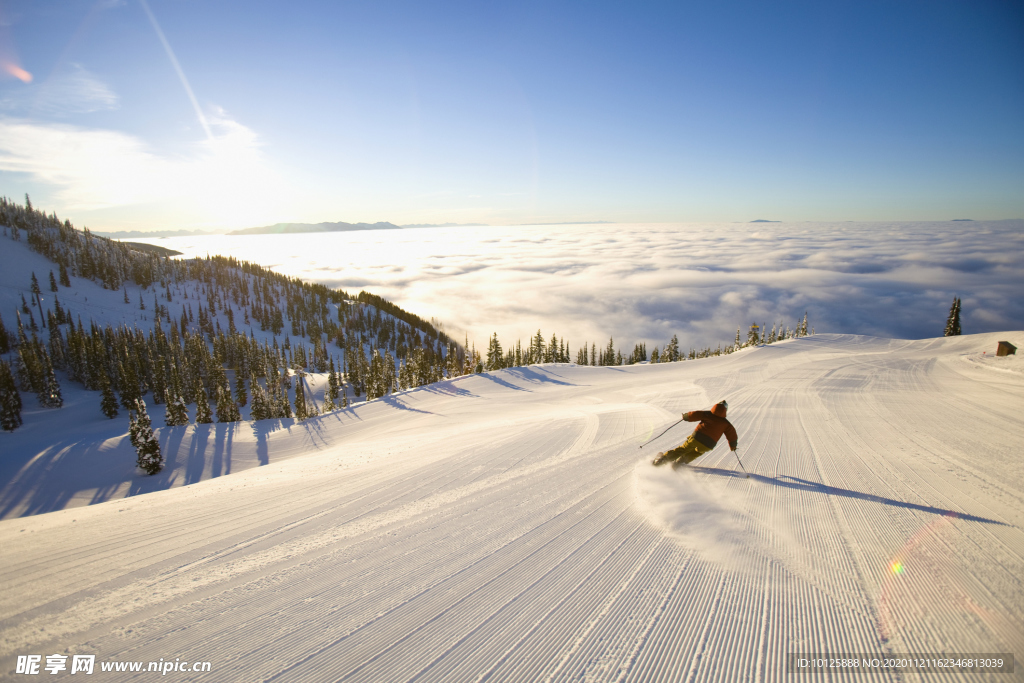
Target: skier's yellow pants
{"x":688,"y":451}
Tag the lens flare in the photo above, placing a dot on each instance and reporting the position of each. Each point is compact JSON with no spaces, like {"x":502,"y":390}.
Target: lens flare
{"x":17,"y":72}
{"x":896,"y":567}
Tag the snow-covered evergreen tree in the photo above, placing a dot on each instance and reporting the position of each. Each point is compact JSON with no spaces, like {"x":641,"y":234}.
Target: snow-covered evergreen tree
{"x":10,"y":399}
{"x":494,"y":353}
{"x":227,"y":409}
{"x":671,"y":353}
{"x":140,"y":432}
{"x":203,"y":413}
{"x":177,"y":411}
{"x":753,"y":335}
{"x":260,"y":408}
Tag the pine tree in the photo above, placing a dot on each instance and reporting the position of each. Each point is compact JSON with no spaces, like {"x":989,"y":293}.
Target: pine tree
{"x":159,"y":380}
{"x":51,"y":396}
{"x":753,"y":335}
{"x":332,"y":382}
{"x":203,"y":413}
{"x":536,"y":349}
{"x":35,"y":285}
{"x":390,"y":380}
{"x":177,"y":412}
{"x":260,"y":408}
{"x":129,"y":384}
{"x":227,"y":409}
{"x":64,"y":279}
{"x":284,"y":406}
{"x":140,"y":432}
{"x":5,"y":339}
{"x":10,"y":400}
{"x":53,"y":282}
{"x":240,"y":396}
{"x":671,"y":353}
{"x":953,"y":321}
{"x":300,"y":400}
{"x":494,"y":353}
{"x":108,"y":403}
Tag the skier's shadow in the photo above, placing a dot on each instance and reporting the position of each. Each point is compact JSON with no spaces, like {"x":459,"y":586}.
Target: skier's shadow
{"x":789,"y":482}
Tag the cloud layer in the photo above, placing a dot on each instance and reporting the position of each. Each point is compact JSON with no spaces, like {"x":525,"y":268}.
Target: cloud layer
{"x":644,"y":283}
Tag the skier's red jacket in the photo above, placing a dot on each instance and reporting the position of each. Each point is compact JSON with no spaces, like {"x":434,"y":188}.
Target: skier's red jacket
{"x":711,"y":428}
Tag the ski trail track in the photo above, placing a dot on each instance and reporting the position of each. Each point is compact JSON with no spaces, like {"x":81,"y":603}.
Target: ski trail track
{"x":507,"y":527}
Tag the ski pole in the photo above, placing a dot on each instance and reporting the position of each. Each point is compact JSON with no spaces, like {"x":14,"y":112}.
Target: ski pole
{"x":660,"y":435}
{"x":736,"y":453}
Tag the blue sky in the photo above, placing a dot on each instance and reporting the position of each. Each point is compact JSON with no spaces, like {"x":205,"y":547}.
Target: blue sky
{"x":507,"y":113}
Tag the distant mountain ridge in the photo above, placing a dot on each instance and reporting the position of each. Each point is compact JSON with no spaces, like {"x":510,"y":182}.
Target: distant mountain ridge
{"x":288,"y":228}
{"x":126,"y":234}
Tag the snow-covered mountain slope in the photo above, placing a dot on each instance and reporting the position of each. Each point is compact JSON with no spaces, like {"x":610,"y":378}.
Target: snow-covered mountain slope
{"x":507,"y":526}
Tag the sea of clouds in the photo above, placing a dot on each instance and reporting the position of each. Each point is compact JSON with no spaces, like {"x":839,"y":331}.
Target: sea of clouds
{"x":644,"y":283}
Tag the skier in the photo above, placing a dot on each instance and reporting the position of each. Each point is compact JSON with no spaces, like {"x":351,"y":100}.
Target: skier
{"x":712,"y":425}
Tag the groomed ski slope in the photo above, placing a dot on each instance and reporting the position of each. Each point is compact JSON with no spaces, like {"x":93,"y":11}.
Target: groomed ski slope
{"x":507,"y":527}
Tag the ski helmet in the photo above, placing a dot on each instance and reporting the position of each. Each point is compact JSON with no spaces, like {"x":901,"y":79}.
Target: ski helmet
{"x":720,"y":409}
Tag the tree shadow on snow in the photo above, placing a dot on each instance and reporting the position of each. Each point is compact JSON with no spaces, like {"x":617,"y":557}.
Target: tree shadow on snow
{"x":798,"y":484}
{"x":538,"y":376}
{"x":448,"y":389}
{"x":395,"y":402}
{"x":501,"y":382}
{"x":260,"y":429}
